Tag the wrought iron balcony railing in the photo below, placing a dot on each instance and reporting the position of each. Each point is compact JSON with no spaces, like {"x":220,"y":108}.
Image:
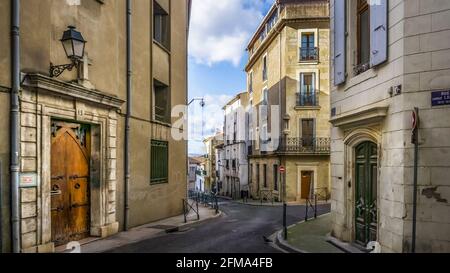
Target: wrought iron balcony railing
{"x":308,"y":54}
{"x":305,"y":145}
{"x":305,"y":99}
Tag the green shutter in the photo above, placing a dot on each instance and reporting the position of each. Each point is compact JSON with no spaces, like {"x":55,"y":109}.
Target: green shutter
{"x":159,"y":162}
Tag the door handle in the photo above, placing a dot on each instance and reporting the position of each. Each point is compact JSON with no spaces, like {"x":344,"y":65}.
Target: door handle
{"x":58,"y":209}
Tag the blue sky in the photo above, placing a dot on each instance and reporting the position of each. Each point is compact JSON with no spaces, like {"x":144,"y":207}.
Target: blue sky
{"x":219,"y":33}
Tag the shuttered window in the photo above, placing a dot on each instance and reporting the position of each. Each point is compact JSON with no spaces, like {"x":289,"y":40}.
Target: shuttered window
{"x":159,"y":162}
{"x":339,"y":23}
{"x":379,"y":32}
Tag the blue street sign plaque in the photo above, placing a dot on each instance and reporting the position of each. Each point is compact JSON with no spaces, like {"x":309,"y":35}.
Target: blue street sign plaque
{"x":439,"y":98}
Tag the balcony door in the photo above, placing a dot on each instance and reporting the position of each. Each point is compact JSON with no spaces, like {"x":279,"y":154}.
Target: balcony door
{"x":307,"y":133}
{"x":307,"y":96}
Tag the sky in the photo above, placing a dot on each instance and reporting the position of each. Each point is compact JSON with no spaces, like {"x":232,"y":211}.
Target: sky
{"x":219,"y":34}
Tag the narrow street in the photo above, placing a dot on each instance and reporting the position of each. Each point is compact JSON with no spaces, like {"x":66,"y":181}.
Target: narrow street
{"x":240,"y":229}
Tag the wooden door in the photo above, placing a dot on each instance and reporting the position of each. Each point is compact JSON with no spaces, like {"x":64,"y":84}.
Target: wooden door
{"x":306,"y":184}
{"x":70,"y":201}
{"x":366,"y":193}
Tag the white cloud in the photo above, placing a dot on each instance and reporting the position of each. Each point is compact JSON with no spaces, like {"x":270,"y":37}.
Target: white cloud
{"x":211,"y":116}
{"x":220,"y":30}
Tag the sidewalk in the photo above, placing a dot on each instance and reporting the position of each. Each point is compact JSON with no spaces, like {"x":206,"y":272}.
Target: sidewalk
{"x":148,"y":231}
{"x":309,"y":237}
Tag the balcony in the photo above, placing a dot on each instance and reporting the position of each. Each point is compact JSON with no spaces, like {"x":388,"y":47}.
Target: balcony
{"x":309,"y":54}
{"x":310,"y":99}
{"x":297,"y":145}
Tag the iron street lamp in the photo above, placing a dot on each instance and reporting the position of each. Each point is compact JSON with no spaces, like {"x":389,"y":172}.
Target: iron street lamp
{"x":74,"y":44}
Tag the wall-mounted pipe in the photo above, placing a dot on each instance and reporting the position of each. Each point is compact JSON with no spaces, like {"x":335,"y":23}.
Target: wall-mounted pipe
{"x":127,"y":120}
{"x":14,"y":124}
{"x":1,"y":206}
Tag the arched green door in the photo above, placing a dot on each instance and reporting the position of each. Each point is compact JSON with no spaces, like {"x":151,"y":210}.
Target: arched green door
{"x":366,"y":193}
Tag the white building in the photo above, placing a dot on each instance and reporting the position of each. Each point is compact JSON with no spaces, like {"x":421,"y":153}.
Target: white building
{"x":390,"y":57}
{"x":235,"y":146}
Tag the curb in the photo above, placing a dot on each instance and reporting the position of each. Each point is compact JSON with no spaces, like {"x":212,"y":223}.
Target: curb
{"x":280,"y":242}
{"x":154,"y":235}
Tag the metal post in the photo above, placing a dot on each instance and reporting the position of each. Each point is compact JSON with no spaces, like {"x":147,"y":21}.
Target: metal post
{"x":284,"y":208}
{"x":315,"y":206}
{"x":198,"y":213}
{"x":415,"y":139}
{"x":184,"y":210}
{"x":306,"y":208}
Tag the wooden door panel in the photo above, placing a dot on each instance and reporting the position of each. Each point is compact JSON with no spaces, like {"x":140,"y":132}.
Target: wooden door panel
{"x":70,"y":185}
{"x":306,"y":185}
{"x":366,"y":169}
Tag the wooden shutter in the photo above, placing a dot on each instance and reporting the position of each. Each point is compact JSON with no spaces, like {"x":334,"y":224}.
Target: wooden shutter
{"x":379,"y":31}
{"x":339,"y":42}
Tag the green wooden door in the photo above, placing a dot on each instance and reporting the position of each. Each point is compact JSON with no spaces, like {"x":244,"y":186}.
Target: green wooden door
{"x":366,"y":193}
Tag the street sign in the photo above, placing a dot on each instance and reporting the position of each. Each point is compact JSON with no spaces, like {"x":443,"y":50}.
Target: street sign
{"x":28,"y":180}
{"x":439,"y":98}
{"x":414,"y":119}
{"x":282,"y":169}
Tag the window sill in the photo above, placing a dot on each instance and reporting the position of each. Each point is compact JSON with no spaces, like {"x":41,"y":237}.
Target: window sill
{"x":159,"y":183}
{"x":360,"y":78}
{"x":304,"y":108}
{"x":164,"y":48}
{"x":166,"y":124}
{"x":309,"y":62}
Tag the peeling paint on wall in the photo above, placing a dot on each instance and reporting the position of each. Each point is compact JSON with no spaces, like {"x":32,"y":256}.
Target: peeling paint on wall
{"x":73,"y":2}
{"x":431,"y":193}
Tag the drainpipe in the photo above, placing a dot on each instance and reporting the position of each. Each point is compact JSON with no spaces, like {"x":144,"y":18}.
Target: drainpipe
{"x":127,"y":119}
{"x":188,"y":21}
{"x":14,"y":124}
{"x":1,"y":207}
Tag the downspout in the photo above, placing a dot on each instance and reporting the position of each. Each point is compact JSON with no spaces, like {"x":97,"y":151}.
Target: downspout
{"x":14,"y":124}
{"x":127,"y":119}
{"x":188,"y":22}
{"x":283,"y":179}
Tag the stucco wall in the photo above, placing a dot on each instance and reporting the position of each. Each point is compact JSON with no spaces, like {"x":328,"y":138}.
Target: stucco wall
{"x":417,"y":45}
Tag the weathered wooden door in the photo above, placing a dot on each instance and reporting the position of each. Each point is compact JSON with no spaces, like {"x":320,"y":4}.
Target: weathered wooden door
{"x":366,"y":193}
{"x":306,"y":184}
{"x":70,"y":201}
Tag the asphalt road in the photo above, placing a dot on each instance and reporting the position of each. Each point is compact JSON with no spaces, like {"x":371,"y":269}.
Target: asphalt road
{"x":240,"y":229}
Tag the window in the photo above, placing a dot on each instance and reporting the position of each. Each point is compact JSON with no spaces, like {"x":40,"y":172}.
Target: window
{"x":308,"y":51}
{"x":264,"y":72}
{"x":159,"y":162}
{"x":233,"y":164}
{"x":161,"y":102}
{"x":363,"y":43}
{"x":265,"y":175}
{"x":275,"y":177}
{"x":307,"y":96}
{"x":307,"y":126}
{"x":250,"y":82}
{"x":160,"y":25}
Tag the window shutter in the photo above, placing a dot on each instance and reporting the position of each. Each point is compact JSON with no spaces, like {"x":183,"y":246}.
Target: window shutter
{"x":378,"y":35}
{"x":339,"y":42}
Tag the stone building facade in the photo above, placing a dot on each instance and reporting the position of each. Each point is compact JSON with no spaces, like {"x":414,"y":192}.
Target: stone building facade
{"x":235,"y":165}
{"x":211,"y":177}
{"x":72,"y":127}
{"x":288,"y":75}
{"x":388,"y":58}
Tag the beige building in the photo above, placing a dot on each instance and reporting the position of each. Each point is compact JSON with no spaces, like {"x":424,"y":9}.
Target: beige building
{"x":389,"y":57}
{"x":211,"y":178}
{"x":72,"y":178}
{"x":288,"y":67}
